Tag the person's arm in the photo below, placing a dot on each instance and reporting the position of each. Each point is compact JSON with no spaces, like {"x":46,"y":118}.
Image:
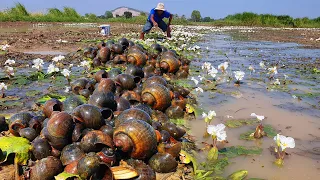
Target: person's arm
{"x":155,"y":24}
{"x":170,"y":19}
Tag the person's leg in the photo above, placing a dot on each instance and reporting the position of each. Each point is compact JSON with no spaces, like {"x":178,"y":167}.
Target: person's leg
{"x":164,"y":27}
{"x":146,"y":28}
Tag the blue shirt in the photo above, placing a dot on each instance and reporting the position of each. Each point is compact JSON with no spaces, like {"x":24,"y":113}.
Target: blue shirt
{"x":156,"y":17}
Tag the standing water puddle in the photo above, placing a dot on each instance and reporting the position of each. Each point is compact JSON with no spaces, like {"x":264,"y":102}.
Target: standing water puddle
{"x":284,"y":111}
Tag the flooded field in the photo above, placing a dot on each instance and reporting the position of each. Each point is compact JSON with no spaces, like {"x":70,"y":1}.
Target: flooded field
{"x":288,"y":98}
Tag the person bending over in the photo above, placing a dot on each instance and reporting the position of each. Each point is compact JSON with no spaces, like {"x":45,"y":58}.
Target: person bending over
{"x":155,"y":20}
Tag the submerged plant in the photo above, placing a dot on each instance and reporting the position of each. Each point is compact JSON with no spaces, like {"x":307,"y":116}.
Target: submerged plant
{"x":218,"y":134}
{"x":283,"y":143}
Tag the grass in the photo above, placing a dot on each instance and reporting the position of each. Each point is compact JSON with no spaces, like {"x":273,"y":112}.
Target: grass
{"x":67,"y":14}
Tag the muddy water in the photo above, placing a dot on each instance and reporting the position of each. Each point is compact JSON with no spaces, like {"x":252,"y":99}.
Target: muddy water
{"x":286,"y":114}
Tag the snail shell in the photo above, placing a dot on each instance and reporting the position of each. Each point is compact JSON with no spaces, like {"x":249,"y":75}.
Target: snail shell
{"x":126,"y":81}
{"x":93,"y":140}
{"x":72,"y":102}
{"x":28,"y":133}
{"x":132,"y":113}
{"x":40,"y":148}
{"x":137,"y":58}
{"x":175,"y":112}
{"x":52,"y":105}
{"x":134,"y":71}
{"x":157,"y":96}
{"x":117,"y":48}
{"x":159,"y":116}
{"x":144,"y":171}
{"x":78,"y":85}
{"x":119,"y":59}
{"x":103,"y":100}
{"x":169,"y":65}
{"x":104,"y":54}
{"x":114,"y":72}
{"x":174,"y":130}
{"x":71,"y":153}
{"x":155,"y":80}
{"x":163,"y":163}
{"x":100,"y":74}
{"x":90,"y":115}
{"x":19,"y":121}
{"x":136,"y":137}
{"x":88,"y":165}
{"x":106,"y":85}
{"x":46,"y":169}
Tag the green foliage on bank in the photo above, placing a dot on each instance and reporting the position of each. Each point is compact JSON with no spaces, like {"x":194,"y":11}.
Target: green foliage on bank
{"x":67,"y":14}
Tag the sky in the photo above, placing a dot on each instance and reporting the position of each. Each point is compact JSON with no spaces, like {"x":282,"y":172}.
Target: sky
{"x":213,"y":8}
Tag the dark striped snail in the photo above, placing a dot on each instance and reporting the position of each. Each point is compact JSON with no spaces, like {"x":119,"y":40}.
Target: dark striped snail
{"x":157,"y":96}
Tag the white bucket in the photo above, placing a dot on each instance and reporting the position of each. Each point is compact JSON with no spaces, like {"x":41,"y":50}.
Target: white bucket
{"x":105,"y":29}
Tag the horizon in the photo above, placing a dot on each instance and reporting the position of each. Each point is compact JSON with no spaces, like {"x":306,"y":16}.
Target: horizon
{"x":297,"y":8}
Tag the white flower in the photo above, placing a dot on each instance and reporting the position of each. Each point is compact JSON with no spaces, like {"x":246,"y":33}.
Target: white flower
{"x":37,"y":63}
{"x":9,"y":70}
{"x":277,"y":82}
{"x":3,"y":86}
{"x":284,"y":142}
{"x":66,"y":72}
{"x":223,"y":66}
{"x":70,"y":65}
{"x":213,"y":72}
{"x":217,"y":131}
{"x":199,"y":89}
{"x":58,"y":58}
{"x":9,"y":62}
{"x":84,"y":63}
{"x":251,"y":68}
{"x":210,"y":115}
{"x":273,"y":70}
{"x":207,"y":48}
{"x":257,"y":116}
{"x":67,"y":89}
{"x":52,"y":69}
{"x":194,"y":80}
{"x":239,"y":75}
{"x":201,"y":77}
{"x":294,"y":97}
{"x":262,"y":65}
{"x":285,"y":76}
{"x":206,"y":66}
{"x":4,"y":47}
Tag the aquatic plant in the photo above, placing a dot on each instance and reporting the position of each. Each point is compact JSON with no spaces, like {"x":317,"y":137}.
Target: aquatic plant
{"x":218,"y":134}
{"x":209,"y":117}
{"x":259,"y":132}
{"x":223,"y":67}
{"x":282,"y":143}
{"x":4,"y":47}
{"x":58,"y":58}
{"x":38,"y":64}
{"x":9,"y":70}
{"x":239,"y":75}
{"x":3,"y":87}
{"x":52,"y":69}
{"x":10,"y":62}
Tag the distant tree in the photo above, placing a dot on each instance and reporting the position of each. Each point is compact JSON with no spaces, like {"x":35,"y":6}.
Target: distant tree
{"x":90,"y":16}
{"x":175,"y":16}
{"x":127,"y":14}
{"x":207,"y":19}
{"x":195,"y":16}
{"x":183,"y":17}
{"x":143,"y":14}
{"x":108,"y":14}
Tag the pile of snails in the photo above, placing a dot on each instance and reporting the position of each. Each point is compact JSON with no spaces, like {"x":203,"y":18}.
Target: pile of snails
{"x":124,"y":124}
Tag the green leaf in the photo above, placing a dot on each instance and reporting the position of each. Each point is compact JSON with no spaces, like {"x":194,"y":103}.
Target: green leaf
{"x":38,"y":75}
{"x":9,"y":98}
{"x":240,"y":122}
{"x":238,"y":175}
{"x":235,"y":151}
{"x":189,"y":158}
{"x":47,"y":97}
{"x":21,"y":81}
{"x":213,"y":154}
{"x":279,"y":162}
{"x":65,"y":176}
{"x":247,"y":136}
{"x":270,"y":131}
{"x":18,"y":145}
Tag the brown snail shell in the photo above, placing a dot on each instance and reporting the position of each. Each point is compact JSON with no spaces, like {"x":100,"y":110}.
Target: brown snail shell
{"x":94,"y":140}
{"x":137,"y":58}
{"x":122,"y":103}
{"x":85,"y":93}
{"x":120,"y":59}
{"x":52,"y":105}
{"x":46,"y":169}
{"x":159,"y":116}
{"x":19,"y":121}
{"x":71,"y":153}
{"x":104,"y":54}
{"x":134,"y":71}
{"x":174,"y":130}
{"x":72,"y":102}
{"x":89,"y":115}
{"x":135,"y":48}
{"x":106,"y":85}
{"x":155,"y":80}
{"x":144,"y":107}
{"x":78,"y":85}
{"x":132,"y":113}
{"x":173,"y":148}
{"x":175,"y":112}
{"x":28,"y":133}
{"x":100,"y":74}
{"x":136,"y":137}
{"x":163,"y":163}
{"x":144,"y":171}
{"x":157,"y":96}
{"x":126,"y":81}
{"x":182,"y":74}
{"x":59,"y":129}
{"x":40,"y":148}
{"x":88,"y":165}
{"x":169,"y":65}
{"x":103,"y":100}
{"x":96,"y":62}
{"x":77,"y":132}
{"x":117,"y":48}
{"x":107,"y":155}
{"x":72,"y":168}
{"x":132,"y":96}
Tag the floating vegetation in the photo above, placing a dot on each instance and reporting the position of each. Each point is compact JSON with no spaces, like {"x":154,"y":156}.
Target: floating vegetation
{"x":241,"y":122}
{"x":235,"y":151}
{"x":268,"y":129}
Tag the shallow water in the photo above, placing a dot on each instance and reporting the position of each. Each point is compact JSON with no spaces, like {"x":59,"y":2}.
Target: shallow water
{"x":289,"y":116}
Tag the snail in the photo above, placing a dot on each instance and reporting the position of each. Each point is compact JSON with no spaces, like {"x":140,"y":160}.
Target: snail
{"x":59,"y":129}
{"x":28,"y":133}
{"x":46,"y":169}
{"x":155,"y":80}
{"x":132,"y":113}
{"x":71,"y":153}
{"x":104,"y":54}
{"x":96,"y":62}
{"x":157,"y":96}
{"x":78,"y":85}
{"x":169,"y":64}
{"x":126,"y":81}
{"x":136,"y":57}
{"x":40,"y":148}
{"x":72,"y":102}
{"x":175,"y":112}
{"x":124,"y":42}
{"x":107,"y":155}
{"x":117,"y":48}
{"x":103,"y":100}
{"x":135,"y":137}
{"x":131,"y":96}
{"x":163,"y":163}
{"x":52,"y":105}
{"x":173,"y":147}
{"x":174,"y":130}
{"x":100,"y":74}
{"x":119,"y":59}
{"x":89,"y":115}
{"x":19,"y":121}
{"x":106,"y":85}
{"x":94,"y":140}
{"x":122,"y":103}
{"x":144,"y":171}
{"x":88,"y":165}
{"x":144,"y":107}
{"x":134,"y":71}
{"x":159,"y":116}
